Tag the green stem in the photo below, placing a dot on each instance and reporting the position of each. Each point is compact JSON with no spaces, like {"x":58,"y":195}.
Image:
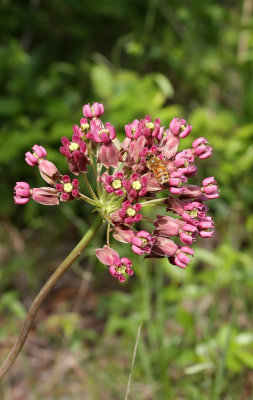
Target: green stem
{"x":106,"y":218}
{"x":92,"y":162}
{"x":147,"y":220}
{"x":153,"y":202}
{"x":96,"y":176}
{"x":89,"y":187}
{"x":54,"y":278}
{"x":87,"y":199}
{"x":108,"y":234}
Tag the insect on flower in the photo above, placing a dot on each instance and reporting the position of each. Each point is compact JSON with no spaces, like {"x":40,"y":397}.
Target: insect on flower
{"x":157,"y":166}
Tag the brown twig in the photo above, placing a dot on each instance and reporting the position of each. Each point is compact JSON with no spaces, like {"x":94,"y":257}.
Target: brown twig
{"x":133,"y":361}
{"x":54,"y":278}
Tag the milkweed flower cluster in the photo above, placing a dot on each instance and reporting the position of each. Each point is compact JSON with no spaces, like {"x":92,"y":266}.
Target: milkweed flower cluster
{"x":127,"y":182}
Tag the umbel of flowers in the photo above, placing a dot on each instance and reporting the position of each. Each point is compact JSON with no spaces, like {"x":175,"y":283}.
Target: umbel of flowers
{"x":145,"y":169}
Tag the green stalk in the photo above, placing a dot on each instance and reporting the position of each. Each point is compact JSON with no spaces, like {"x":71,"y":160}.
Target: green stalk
{"x":153,"y":202}
{"x":89,"y":187}
{"x":87,"y":199}
{"x":45,"y":290}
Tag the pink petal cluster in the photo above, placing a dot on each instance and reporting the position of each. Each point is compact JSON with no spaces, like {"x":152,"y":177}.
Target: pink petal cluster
{"x":179,"y":128}
{"x":96,"y":110}
{"x":44,"y":195}
{"x":75,"y":152}
{"x":127,"y":183}
{"x":22,"y":193}
{"x":68,"y":190}
{"x":117,"y":266}
{"x":114,"y":183}
{"x":127,"y":214}
{"x":47,"y":169}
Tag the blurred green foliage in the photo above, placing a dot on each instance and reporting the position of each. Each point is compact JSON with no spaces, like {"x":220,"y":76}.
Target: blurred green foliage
{"x":163,"y":58}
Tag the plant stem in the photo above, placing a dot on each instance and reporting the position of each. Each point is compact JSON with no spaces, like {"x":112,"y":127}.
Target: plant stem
{"x":92,"y":162}
{"x":133,"y":361}
{"x":89,"y":187}
{"x":147,"y":220}
{"x":87,"y":199}
{"x":108,"y":234}
{"x":153,"y":202}
{"x":54,"y":278}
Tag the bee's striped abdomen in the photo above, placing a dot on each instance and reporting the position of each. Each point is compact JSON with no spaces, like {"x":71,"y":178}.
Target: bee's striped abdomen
{"x":161,"y":175}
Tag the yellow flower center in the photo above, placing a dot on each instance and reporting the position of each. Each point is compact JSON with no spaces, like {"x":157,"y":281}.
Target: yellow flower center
{"x":116,"y":184}
{"x":85,"y":127}
{"x":150,"y":125}
{"x":130,"y":212}
{"x":68,"y":187}
{"x":104,"y":130}
{"x":121,"y":269}
{"x":193,"y":213}
{"x":136,"y":185}
{"x":36,"y":155}
{"x":73,"y":146}
{"x":144,"y":241}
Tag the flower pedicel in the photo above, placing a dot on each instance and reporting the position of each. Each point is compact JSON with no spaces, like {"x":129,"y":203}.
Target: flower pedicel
{"x":129,"y":175}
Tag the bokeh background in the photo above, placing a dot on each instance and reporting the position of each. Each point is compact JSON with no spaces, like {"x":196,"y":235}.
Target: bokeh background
{"x":165,"y":58}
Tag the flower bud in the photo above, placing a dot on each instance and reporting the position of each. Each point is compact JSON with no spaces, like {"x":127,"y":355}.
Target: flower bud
{"x":22,"y":193}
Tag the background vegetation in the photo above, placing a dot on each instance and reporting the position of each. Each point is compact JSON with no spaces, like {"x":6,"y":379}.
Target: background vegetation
{"x":192,"y":59}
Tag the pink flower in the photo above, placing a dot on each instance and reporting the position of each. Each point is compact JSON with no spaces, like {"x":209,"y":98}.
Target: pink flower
{"x":22,"y":193}
{"x":129,"y":178}
{"x":176,"y":180}
{"x":44,"y":195}
{"x":187,"y":234}
{"x":96,"y":110}
{"x":68,"y":190}
{"x":39,"y":154}
{"x":169,"y":144}
{"x":136,"y":186}
{"x":131,"y":150}
{"x":179,"y":128}
{"x":47,"y":169}
{"x":147,"y":128}
{"x":124,"y":233}
{"x":127,"y":214}
{"x":132,"y":131}
{"x":117,"y":266}
{"x":142,"y":243}
{"x":210,"y":188}
{"x":167,"y":226}
{"x":49,"y":172}
{"x":193,"y":211}
{"x":84,"y":125}
{"x":47,"y":196}
{"x":181,"y":257}
{"x":114,"y":183}
{"x":75,"y":152}
{"x":184,"y":158}
{"x":95,"y":125}
{"x":206,"y":227}
{"x":83,"y":129}
{"x":104,"y":134}
{"x":109,"y":155}
{"x":164,"y":247}
{"x":201,"y":149}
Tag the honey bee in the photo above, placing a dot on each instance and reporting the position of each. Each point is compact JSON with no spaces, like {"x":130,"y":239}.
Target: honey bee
{"x":158,"y":168}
